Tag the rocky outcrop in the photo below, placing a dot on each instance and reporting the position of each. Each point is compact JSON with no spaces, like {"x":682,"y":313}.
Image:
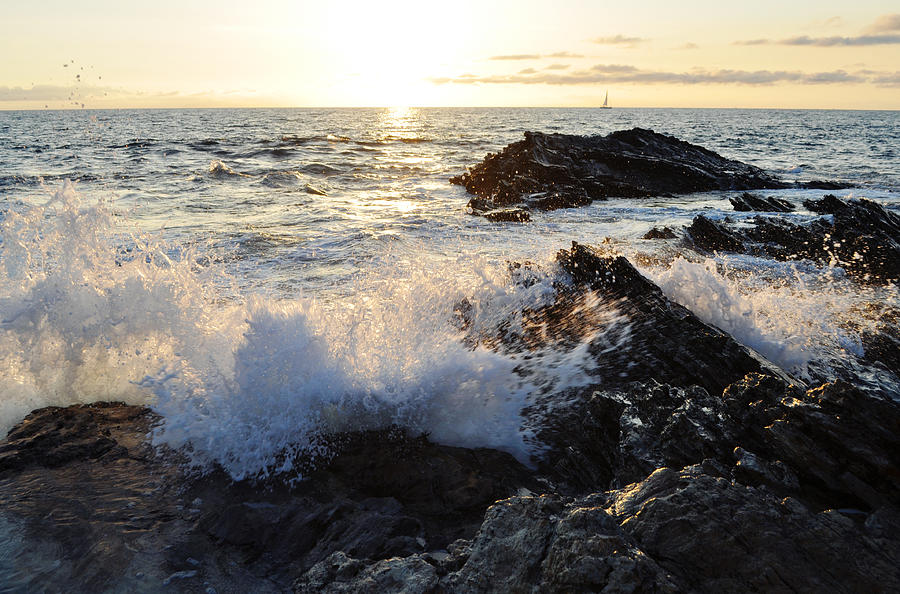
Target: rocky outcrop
{"x":82,"y":483}
{"x":677,"y":530}
{"x":862,"y":237}
{"x":651,"y":337}
{"x":508,"y":215}
{"x":549,"y":171}
{"x":748,"y":202}
{"x":687,"y":463}
{"x":717,"y":535}
{"x":659,"y":233}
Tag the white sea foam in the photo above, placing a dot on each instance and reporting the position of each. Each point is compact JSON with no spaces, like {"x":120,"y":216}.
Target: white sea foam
{"x":790,"y":318}
{"x":93,"y":312}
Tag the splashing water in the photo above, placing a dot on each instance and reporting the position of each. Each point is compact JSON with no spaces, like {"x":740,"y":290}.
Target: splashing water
{"x":81,"y":316}
{"x":792,"y":320}
{"x":91,"y":311}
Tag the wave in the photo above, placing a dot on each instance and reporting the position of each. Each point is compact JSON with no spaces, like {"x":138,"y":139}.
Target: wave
{"x":249,"y":383}
{"x":281,"y":179}
{"x":320,"y":169}
{"x":219,"y":169}
{"x":795,"y":321}
{"x":90,"y":311}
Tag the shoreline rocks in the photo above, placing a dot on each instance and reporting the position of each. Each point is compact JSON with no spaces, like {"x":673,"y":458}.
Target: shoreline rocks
{"x":691,"y":464}
{"x":862,"y":237}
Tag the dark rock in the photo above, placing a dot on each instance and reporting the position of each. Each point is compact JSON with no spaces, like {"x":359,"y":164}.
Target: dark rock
{"x":881,"y":341}
{"x":864,"y":238}
{"x":676,"y":530}
{"x":819,"y":184}
{"x":843,"y":445}
{"x":83,"y":481}
{"x":538,"y":544}
{"x":549,"y":171}
{"x":715,"y":535}
{"x":54,"y":436}
{"x":666,"y":342}
{"x":713,"y":237}
{"x":509,"y":215}
{"x":659,"y":233}
{"x":342,"y":574}
{"x":633,"y":333}
{"x":748,"y":202}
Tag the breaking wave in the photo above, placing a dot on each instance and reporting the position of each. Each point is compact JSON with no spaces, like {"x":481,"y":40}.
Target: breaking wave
{"x":92,"y":310}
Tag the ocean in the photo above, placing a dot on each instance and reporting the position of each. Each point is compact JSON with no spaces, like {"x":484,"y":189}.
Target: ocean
{"x":261,"y":277}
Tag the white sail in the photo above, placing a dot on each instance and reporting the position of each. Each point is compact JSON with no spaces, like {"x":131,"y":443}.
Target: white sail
{"x":605,"y":101}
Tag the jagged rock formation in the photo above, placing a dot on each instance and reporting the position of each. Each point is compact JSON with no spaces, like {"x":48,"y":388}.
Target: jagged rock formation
{"x":123,"y":516}
{"x":698,"y":466}
{"x":862,"y":237}
{"x":549,"y":171}
{"x":659,"y":233}
{"x":748,"y":202}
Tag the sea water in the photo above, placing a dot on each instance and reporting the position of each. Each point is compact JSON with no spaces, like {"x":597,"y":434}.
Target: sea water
{"x":264,"y":277}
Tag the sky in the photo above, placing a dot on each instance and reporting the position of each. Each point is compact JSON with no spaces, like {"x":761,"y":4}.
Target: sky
{"x":819,"y":54}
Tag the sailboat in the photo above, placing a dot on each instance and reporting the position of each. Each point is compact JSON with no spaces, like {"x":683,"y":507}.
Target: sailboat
{"x":606,"y":102}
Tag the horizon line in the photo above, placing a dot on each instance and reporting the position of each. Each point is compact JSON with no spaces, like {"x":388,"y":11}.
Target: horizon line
{"x":223,"y":107}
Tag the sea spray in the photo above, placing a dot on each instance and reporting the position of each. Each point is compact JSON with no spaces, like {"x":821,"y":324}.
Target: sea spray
{"x":794,"y":315}
{"x":83,"y":312}
{"x":92,"y":310}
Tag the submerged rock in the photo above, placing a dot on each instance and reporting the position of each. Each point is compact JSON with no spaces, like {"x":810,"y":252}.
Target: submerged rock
{"x":549,"y":171}
{"x":511,"y":215}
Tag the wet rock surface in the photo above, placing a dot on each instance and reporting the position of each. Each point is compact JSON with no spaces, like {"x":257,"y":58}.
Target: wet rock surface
{"x":96,"y":508}
{"x":549,"y":171}
{"x":862,"y":237}
{"x":690,"y":464}
{"x":748,"y":202}
{"x":659,"y":233}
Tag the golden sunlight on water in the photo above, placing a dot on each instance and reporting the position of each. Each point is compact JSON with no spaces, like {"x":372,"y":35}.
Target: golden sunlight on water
{"x":400,"y":122}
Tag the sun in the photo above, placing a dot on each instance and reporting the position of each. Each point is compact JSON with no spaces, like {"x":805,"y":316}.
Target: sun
{"x":386,"y":52}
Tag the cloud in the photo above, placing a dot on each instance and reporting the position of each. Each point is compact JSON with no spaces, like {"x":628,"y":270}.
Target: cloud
{"x":860,"y":40}
{"x":56,"y":93}
{"x":884,"y":31}
{"x":620,"y":73}
{"x":618,"y":40}
{"x":557,"y":67}
{"x":516,"y":57}
{"x":688,"y":46}
{"x":536,"y":56}
{"x":888,"y":79}
{"x":842,"y":41}
{"x":885,"y":24}
{"x":528,"y":71}
{"x":618,"y":68}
